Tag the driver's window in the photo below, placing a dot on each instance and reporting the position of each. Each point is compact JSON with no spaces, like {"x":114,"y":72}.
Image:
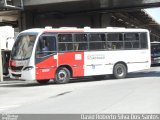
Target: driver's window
{"x":46,"y":46}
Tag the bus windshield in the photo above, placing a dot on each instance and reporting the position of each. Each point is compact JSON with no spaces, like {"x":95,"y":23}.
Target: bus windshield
{"x":23,"y":46}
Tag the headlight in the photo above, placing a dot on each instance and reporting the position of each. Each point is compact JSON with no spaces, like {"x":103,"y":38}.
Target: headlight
{"x":28,"y":68}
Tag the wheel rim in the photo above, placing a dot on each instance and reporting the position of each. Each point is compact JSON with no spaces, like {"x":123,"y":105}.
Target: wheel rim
{"x":62,"y":75}
{"x":120,"y":71}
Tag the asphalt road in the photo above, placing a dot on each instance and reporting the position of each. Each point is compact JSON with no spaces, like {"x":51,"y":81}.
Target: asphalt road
{"x":138,"y":93}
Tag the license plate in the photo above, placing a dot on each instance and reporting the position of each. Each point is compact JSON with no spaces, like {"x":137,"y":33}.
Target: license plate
{"x":16,"y":77}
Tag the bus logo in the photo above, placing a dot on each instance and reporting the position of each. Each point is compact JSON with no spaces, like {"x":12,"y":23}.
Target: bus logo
{"x":96,"y":57}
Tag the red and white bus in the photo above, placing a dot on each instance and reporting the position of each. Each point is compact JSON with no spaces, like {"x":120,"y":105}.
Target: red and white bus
{"x":64,"y":53}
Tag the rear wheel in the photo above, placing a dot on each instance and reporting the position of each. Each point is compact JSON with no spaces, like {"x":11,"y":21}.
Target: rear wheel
{"x":43,"y":82}
{"x":120,"y":71}
{"x":62,"y":75}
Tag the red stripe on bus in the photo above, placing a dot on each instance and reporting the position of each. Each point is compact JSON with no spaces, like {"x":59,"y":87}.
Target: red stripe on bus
{"x":73,"y":59}
{"x":46,"y":69}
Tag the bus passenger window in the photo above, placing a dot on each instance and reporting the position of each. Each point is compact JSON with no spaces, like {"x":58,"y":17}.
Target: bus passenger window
{"x":115,"y":41}
{"x":143,"y":40}
{"x":80,"y":42}
{"x":65,"y":42}
{"x":131,"y":40}
{"x":97,"y":42}
{"x":114,"y":37}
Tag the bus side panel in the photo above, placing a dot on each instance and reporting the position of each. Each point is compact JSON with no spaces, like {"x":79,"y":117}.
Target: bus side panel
{"x":46,"y":68}
{"x":97,"y":63}
{"x":102,"y":62}
{"x":140,"y":60}
{"x":73,"y":59}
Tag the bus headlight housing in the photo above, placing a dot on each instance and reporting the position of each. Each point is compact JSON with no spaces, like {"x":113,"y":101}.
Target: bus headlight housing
{"x":28,"y":68}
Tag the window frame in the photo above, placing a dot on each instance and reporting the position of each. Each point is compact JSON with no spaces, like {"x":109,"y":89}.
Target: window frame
{"x":46,"y":34}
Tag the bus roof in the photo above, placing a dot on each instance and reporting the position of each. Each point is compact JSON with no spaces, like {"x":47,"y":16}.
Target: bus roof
{"x":86,"y":29}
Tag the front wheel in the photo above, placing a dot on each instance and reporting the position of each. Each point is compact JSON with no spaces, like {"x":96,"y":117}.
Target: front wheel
{"x":120,"y":71}
{"x":62,"y":75}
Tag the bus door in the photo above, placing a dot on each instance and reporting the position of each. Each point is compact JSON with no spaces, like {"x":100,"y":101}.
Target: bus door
{"x":46,"y":56}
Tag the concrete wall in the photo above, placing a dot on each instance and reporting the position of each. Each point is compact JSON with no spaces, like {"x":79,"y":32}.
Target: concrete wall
{"x":96,"y":20}
{"x":103,"y":3}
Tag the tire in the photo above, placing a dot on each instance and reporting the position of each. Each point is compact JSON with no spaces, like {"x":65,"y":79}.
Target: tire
{"x":62,"y":75}
{"x":43,"y":82}
{"x":120,"y":71}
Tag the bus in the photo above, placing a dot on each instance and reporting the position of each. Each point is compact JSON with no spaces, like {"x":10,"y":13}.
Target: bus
{"x":60,"y":54}
{"x":155,"y":53}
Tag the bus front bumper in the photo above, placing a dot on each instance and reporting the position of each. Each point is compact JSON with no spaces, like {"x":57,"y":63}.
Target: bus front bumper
{"x":28,"y":75}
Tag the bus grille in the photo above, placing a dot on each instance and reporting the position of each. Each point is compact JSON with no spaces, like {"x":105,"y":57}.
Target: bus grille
{"x":16,"y":68}
{"x":16,"y":75}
